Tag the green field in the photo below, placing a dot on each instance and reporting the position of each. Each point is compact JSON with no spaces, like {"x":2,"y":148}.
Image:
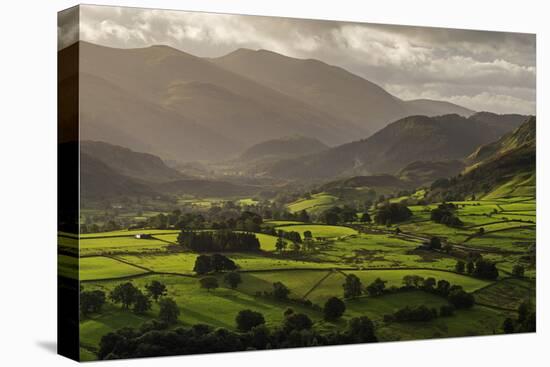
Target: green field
{"x":319,"y":230}
{"x":317,"y":273}
{"x":317,"y":203}
{"x":105,"y":268}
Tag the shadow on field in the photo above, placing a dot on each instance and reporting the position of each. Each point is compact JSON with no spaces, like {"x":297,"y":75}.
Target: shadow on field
{"x":48,"y":345}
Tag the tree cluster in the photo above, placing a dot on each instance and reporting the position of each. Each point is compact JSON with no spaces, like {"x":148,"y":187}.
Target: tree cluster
{"x":205,"y":264}
{"x":391,"y":213}
{"x":154,"y":339}
{"x":445,"y":213}
{"x":219,"y":241}
{"x":337,"y":215}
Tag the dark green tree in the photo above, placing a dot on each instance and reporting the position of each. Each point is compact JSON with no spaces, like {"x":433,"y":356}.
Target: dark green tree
{"x":280,"y":291}
{"x":124,"y":293}
{"x":334,"y":308}
{"x":168,"y":310}
{"x":142,"y":303}
{"x":156,"y":289}
{"x":233,"y":279}
{"x":209,"y":283}
{"x":248,"y":319}
{"x":460,"y":266}
{"x":352,"y":286}
{"x":376,"y":288}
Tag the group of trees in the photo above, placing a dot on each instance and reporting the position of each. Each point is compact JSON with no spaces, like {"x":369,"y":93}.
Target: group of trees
{"x":455,"y":294}
{"x":296,"y":330}
{"x":205,"y":264}
{"x":445,"y":213}
{"x":414,"y":313}
{"x":232,"y":279}
{"x":391,"y":213}
{"x":337,"y":215}
{"x":479,"y":268}
{"x":131,"y":297}
{"x":526,"y":322}
{"x":219,"y":241}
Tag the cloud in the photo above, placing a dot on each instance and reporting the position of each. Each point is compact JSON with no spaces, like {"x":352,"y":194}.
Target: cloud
{"x":493,"y":71}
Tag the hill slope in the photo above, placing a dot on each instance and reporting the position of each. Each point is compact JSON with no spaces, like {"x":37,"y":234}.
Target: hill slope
{"x":167,"y":102}
{"x":414,"y":138}
{"x":330,"y":88}
{"x":290,"y":146}
{"x":124,"y":161}
{"x":509,"y":169}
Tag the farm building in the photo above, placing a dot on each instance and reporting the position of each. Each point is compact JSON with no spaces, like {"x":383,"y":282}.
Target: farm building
{"x":143,"y":236}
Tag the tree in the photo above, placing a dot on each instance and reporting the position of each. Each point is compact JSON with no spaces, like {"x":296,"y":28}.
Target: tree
{"x":233,"y":279}
{"x":308,"y":235}
{"x":392,"y":213}
{"x":361,"y":330}
{"x":460,"y":298}
{"x":91,"y":301}
{"x":221,"y":263}
{"x":470,"y":267}
{"x":280,"y":244}
{"x":460,"y":266}
{"x":481,"y":231}
{"x":156,"y":289}
{"x":248,"y":319}
{"x":334,"y":308}
{"x":376,"y":288}
{"x":485,"y":269}
{"x":203,"y":265}
{"x":297,"y":321}
{"x":365,"y":218}
{"x":209,"y":283}
{"x":303,"y":216}
{"x":443,"y":287}
{"x":142,"y":303}
{"x":429,"y":284}
{"x":168,"y":310}
{"x":508,"y":325}
{"x":280,"y":291}
{"x":435,"y":243}
{"x":124,"y":293}
{"x":413,"y":281}
{"x":352,"y":286}
{"x":518,"y":271}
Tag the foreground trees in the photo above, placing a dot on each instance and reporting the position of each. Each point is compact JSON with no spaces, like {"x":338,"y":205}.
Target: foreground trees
{"x":91,"y":301}
{"x":246,"y":320}
{"x":352,"y":286}
{"x":205,"y":264}
{"x":334,"y":309}
{"x":154,"y":338}
{"x":168,"y":311}
{"x":156,"y":289}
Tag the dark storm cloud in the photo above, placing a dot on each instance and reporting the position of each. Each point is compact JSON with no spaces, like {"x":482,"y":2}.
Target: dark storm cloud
{"x":481,"y":70}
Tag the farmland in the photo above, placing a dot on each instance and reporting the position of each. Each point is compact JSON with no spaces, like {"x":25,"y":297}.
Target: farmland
{"x":314,"y":274}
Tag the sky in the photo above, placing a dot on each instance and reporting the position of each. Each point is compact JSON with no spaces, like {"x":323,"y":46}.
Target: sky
{"x":480,"y":70}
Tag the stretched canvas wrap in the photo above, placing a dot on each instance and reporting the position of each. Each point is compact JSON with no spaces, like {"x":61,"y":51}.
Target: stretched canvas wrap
{"x":233,"y":183}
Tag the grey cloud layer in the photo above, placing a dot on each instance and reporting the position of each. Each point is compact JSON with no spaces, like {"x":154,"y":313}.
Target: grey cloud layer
{"x":492,"y":71}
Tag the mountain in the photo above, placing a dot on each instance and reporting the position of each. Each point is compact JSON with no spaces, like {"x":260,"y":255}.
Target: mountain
{"x":421,"y":173}
{"x":330,"y":88}
{"x":99,"y":181}
{"x":110,"y":171}
{"x":504,"y":168}
{"x":414,"y":138}
{"x":141,"y":166}
{"x":523,"y":135}
{"x":290,"y":146}
{"x":169,"y":103}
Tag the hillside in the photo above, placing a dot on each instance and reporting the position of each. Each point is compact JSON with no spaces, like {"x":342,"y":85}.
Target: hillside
{"x":509,"y":169}
{"x":290,"y":146}
{"x":525,"y":134}
{"x":142,"y":166}
{"x":99,"y":181}
{"x":173,"y":104}
{"x":330,"y":88}
{"x":414,"y":138}
{"x":421,"y":173}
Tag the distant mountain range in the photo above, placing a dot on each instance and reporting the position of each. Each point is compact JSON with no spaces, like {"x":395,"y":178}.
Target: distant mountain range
{"x":414,"y":138}
{"x":331,"y":89}
{"x":110,"y":171}
{"x":285,"y":147}
{"x":185,"y":108}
